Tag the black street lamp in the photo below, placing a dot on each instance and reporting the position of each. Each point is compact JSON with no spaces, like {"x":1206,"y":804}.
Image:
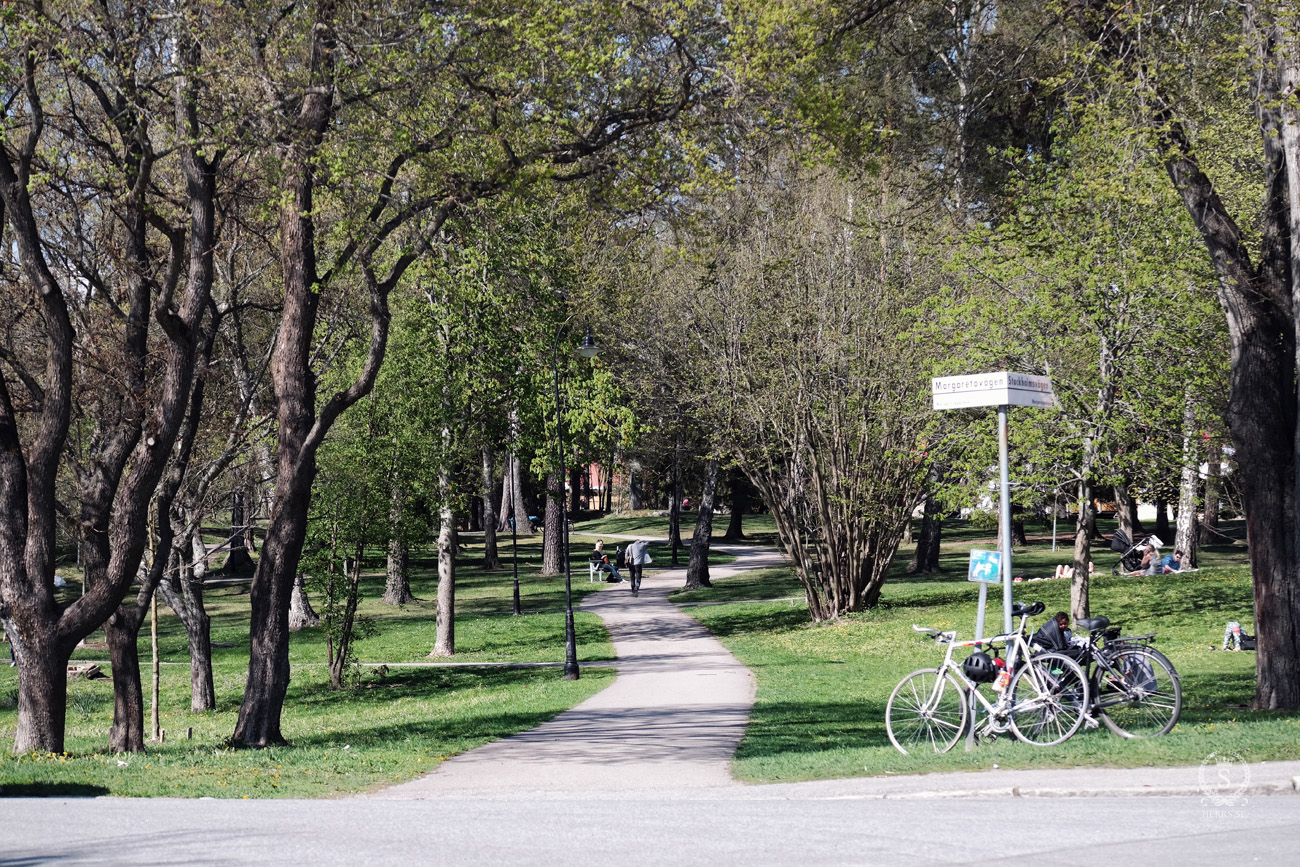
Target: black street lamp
{"x":588,"y":349}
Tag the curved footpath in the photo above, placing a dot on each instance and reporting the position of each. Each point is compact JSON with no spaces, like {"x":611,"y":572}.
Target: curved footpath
{"x":671,"y":719}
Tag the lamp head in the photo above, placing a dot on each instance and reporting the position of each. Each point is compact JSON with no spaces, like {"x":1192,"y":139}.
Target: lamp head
{"x":588,"y":347}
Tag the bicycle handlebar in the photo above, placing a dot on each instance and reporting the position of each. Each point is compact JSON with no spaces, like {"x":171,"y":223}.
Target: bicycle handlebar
{"x":941,"y":637}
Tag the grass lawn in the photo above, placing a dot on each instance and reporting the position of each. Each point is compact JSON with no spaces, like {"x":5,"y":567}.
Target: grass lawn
{"x":821,"y":696}
{"x":822,"y":689}
{"x":388,"y":728}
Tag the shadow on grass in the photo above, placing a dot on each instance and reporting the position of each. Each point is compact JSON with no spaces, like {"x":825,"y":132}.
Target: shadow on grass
{"x":777,"y":583}
{"x":792,"y":728}
{"x":747,"y":620}
{"x":1208,"y":697}
{"x":423,"y":685}
{"x":52,"y":790}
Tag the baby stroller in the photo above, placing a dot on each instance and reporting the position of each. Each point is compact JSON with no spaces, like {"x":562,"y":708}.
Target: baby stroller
{"x":1130,"y":556}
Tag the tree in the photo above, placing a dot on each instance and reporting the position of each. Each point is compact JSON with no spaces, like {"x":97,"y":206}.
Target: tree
{"x":1255,"y":264}
{"x":808,"y":371}
{"x":371,"y":158}
{"x":697,"y":569}
{"x":1098,"y":284}
{"x":79,"y":88}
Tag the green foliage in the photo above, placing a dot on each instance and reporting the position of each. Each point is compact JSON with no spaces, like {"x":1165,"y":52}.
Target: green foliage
{"x":1098,"y":280}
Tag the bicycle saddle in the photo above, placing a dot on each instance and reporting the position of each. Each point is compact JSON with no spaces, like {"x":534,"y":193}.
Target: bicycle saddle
{"x":1021,"y":609}
{"x":1092,"y":624}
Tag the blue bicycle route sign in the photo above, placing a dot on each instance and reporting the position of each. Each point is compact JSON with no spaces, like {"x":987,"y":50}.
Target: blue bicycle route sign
{"x":985,"y":566}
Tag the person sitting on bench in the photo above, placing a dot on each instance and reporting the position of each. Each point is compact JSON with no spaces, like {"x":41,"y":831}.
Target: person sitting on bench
{"x":599,"y":558}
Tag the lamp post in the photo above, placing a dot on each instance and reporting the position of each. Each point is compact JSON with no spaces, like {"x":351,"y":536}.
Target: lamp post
{"x":588,"y":349}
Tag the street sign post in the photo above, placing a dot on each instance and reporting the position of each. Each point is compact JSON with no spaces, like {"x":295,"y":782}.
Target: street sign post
{"x":985,"y":567}
{"x":1003,"y":390}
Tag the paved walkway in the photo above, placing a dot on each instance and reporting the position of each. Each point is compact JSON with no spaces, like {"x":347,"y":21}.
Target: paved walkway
{"x":671,"y":719}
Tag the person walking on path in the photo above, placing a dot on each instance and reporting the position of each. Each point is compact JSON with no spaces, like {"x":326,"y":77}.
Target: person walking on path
{"x":638,"y":555}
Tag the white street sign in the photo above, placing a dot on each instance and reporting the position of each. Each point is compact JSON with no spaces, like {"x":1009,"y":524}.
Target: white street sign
{"x":992,"y":389}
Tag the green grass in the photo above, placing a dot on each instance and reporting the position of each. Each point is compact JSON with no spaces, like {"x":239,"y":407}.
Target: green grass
{"x":822,"y":689}
{"x":388,"y":730}
{"x":394,"y":726}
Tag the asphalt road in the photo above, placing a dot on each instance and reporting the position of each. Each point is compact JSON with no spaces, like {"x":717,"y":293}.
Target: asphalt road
{"x":707,"y":827}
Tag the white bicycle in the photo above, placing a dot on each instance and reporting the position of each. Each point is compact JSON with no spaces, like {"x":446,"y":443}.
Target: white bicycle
{"x":1041,"y":697}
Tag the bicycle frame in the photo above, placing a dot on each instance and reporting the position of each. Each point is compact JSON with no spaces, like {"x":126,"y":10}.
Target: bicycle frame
{"x":1043,"y":697}
{"x":1016,"y":649}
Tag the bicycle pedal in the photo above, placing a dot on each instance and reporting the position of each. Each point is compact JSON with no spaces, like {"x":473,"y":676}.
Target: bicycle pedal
{"x":1090,"y":723}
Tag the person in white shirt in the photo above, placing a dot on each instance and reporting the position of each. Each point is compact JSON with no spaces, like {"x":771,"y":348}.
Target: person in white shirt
{"x":637,"y":556}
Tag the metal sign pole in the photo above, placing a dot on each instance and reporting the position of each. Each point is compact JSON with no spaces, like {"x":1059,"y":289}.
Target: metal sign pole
{"x":1004,"y":471}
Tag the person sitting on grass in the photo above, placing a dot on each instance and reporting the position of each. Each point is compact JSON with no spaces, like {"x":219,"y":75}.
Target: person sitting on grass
{"x":1064,"y":571}
{"x":1172,"y":563}
{"x":1150,"y":562}
{"x":601,"y":560}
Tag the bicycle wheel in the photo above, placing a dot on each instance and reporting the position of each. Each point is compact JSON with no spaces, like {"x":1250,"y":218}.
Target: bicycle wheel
{"x":1144,"y":700}
{"x":926,"y":710}
{"x":1049,"y":699}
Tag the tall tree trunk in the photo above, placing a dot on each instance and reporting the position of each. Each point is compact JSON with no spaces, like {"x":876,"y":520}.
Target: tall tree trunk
{"x":505,"y":509}
{"x":675,"y":504}
{"x":271,"y":591}
{"x":1126,"y":512}
{"x":524,"y":522}
{"x":491,"y":560}
{"x":445,"y":644}
{"x":182,"y":589}
{"x":553,"y":538}
{"x":1018,"y":539}
{"x":122,"y":630}
{"x":513,"y":506}
{"x":697,"y":570}
{"x":128,"y":466}
{"x":1185,"y":536}
{"x":1162,"y":520}
{"x":397,"y":585}
{"x":126,"y":734}
{"x":301,"y":614}
{"x":576,"y":488}
{"x":1209,"y":531}
{"x":634,"y":492}
{"x":1080,"y":583}
{"x":1262,"y":307}
{"x":238,"y":560}
{"x":607,"y":480}
{"x":339,"y":658}
{"x":188,"y":605}
{"x":739,"y":489}
{"x":299,"y":430}
{"x":926,"y":559}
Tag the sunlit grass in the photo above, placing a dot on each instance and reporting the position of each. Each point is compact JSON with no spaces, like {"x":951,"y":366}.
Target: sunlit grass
{"x":822,"y":689}
{"x":393,"y":726}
